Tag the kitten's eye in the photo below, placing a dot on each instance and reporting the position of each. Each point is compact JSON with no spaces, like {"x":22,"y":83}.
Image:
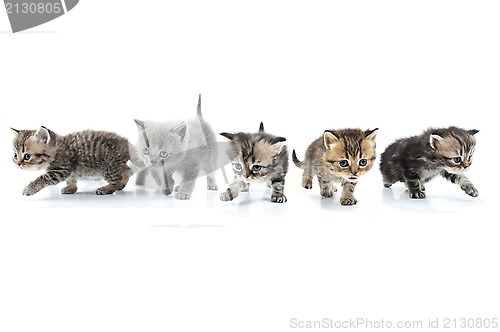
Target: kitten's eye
{"x":344,"y":163}
{"x":362,"y":162}
{"x":457,"y":160}
{"x":163,"y":154}
{"x":27,"y":156}
{"x":145,"y":151}
{"x":237,"y":166}
{"x":256,"y":168}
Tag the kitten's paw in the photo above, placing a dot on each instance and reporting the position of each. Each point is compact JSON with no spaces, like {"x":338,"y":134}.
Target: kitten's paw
{"x":245,"y":187}
{"x":417,"y":195}
{"x":278,"y":198}
{"x":307,"y":182}
{"x":212,"y":187}
{"x":104,"y":191}
{"x":470,"y":190}
{"x":140,"y":181}
{"x":326,"y":193}
{"x":29,"y":190}
{"x":166,"y":191}
{"x":68,"y":190}
{"x":182,"y":196}
{"x":348,"y":200}
{"x":226,"y":196}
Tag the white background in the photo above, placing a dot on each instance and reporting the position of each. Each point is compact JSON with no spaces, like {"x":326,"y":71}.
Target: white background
{"x":140,"y":261}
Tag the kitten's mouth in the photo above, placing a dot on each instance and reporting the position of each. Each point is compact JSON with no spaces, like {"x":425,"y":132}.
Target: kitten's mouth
{"x":353,"y":178}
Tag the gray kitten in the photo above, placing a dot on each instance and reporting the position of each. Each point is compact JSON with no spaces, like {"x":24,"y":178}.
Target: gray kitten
{"x":82,"y":155}
{"x":257,"y":157}
{"x":438,"y":151}
{"x":186,"y":148}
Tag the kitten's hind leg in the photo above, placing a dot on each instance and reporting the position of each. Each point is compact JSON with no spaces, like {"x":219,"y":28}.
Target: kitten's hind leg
{"x":211,"y":182}
{"x":116,"y":181}
{"x":70,"y":188}
{"x":278,"y":186}
{"x":125,"y":176}
{"x":307,"y":178}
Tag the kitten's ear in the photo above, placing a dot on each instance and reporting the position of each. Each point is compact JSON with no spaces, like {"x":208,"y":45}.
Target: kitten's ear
{"x":140,"y":124}
{"x":261,"y":126}
{"x":278,"y":144}
{"x":371,"y":134}
{"x":473,"y":131}
{"x":181,"y":130}
{"x":15,"y":131}
{"x":329,"y":139}
{"x":229,"y":136}
{"x":42,"y":135}
{"x":434,"y":140}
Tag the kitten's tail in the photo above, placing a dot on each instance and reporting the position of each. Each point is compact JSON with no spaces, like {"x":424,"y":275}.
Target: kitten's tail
{"x":296,"y":161}
{"x":198,"y":109}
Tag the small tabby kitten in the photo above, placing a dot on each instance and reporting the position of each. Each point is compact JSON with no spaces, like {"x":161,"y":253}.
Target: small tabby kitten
{"x":257,"y":157}
{"x":81,"y":155}
{"x":338,"y":156}
{"x":415,"y":160}
{"x":185,"y":147}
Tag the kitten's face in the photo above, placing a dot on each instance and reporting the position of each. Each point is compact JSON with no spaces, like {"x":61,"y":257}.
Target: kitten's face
{"x":160,"y":146}
{"x":33,"y":150}
{"x":456,"y":150}
{"x":350,"y":153}
{"x":253,"y":157}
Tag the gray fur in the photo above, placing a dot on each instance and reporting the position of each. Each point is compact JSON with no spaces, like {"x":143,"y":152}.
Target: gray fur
{"x":191,"y":148}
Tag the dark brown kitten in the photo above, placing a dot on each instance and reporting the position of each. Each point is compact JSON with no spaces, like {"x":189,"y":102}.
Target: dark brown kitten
{"x":338,"y":156}
{"x":438,"y":151}
{"x":83,"y":155}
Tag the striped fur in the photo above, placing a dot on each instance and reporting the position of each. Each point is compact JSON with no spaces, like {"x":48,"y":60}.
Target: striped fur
{"x":416,"y":160}
{"x":257,"y":157}
{"x":338,"y":156}
{"x":82,"y":155}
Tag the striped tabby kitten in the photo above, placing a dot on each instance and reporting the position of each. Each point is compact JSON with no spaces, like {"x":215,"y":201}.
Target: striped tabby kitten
{"x":81,"y":155}
{"x":338,"y":156}
{"x":257,"y":157}
{"x":415,"y":160}
{"x":183,"y":147}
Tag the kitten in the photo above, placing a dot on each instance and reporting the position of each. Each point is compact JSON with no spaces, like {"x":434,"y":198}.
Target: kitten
{"x":81,"y":155}
{"x":338,"y":156}
{"x":415,"y":160}
{"x":257,"y":157}
{"x":185,"y":147}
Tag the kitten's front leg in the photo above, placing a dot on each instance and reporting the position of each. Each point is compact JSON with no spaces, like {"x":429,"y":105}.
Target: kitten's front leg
{"x":166,"y":182}
{"x":48,"y":179}
{"x":187,"y":185}
{"x":70,"y":188}
{"x":463,"y":182}
{"x":414,"y":186}
{"x":233,"y":191}
{"x":347,"y":197}
{"x":278,"y":186}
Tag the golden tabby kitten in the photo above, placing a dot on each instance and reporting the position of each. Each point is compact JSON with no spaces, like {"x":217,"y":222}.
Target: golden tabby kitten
{"x":338,"y":156}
